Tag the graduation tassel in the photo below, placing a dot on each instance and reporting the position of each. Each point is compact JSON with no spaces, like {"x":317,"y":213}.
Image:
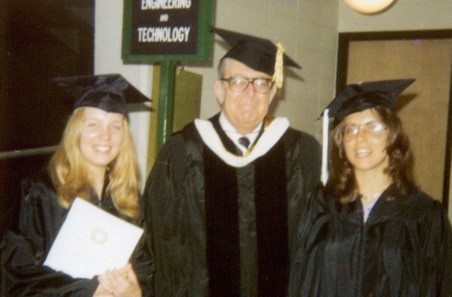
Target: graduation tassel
{"x":324,"y":174}
{"x":279,"y":64}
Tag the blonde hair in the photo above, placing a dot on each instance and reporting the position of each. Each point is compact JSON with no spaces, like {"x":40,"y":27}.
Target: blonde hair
{"x":68,"y":170}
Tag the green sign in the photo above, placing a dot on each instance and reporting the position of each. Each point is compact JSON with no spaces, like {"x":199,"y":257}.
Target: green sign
{"x":156,"y":30}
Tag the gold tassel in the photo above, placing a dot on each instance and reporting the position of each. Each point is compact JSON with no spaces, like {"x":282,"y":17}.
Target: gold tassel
{"x":279,"y":66}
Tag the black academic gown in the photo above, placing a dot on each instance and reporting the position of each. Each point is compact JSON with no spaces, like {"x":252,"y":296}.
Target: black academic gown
{"x":24,"y":251}
{"x":404,"y":249}
{"x":226,"y":230}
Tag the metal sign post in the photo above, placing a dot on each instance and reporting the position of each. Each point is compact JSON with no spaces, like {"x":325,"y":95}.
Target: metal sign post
{"x":167,"y":32}
{"x":166,"y":102}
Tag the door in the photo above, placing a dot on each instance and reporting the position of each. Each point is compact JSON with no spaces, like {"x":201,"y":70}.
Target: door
{"x":424,"y":107}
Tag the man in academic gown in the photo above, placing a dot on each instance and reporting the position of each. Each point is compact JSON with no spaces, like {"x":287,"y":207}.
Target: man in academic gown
{"x":220,"y":210}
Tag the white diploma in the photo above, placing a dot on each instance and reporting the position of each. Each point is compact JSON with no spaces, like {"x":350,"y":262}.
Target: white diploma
{"x":91,"y":241}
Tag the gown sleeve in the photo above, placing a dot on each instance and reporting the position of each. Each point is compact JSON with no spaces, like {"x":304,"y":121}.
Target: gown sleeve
{"x":411,"y":256}
{"x":143,"y":262}
{"x":306,"y":270}
{"x":437,"y":249}
{"x":23,"y":273}
{"x":165,"y":222}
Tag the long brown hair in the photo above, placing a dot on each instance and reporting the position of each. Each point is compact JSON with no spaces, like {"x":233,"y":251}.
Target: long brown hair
{"x":68,"y":170}
{"x":341,"y":181}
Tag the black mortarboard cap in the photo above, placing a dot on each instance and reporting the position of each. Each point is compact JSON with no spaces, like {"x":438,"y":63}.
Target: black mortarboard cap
{"x":257,"y":53}
{"x":355,"y":98}
{"x":109,"y":92}
{"x":358,"y":97}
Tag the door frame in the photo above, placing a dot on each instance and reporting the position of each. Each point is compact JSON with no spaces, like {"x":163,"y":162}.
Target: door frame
{"x":342,"y":69}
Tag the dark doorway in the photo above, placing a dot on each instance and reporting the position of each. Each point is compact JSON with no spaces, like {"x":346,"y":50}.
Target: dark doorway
{"x":39,"y":40}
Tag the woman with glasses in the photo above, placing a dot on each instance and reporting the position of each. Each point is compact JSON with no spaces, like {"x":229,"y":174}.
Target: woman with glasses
{"x":370,"y":231}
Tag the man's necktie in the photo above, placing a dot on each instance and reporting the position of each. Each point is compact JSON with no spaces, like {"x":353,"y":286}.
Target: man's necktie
{"x":244,"y":141}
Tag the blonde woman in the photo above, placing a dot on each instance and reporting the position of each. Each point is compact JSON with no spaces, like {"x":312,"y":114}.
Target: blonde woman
{"x":96,"y":162}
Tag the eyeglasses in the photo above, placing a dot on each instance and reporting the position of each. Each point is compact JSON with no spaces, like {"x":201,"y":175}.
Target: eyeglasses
{"x":373,"y":130}
{"x":239,"y":84}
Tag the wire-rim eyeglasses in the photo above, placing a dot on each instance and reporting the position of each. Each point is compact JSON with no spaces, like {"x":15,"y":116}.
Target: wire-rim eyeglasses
{"x":261,"y":85}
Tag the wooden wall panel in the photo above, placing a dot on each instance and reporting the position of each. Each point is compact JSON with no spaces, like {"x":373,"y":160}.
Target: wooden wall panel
{"x":424,"y":106}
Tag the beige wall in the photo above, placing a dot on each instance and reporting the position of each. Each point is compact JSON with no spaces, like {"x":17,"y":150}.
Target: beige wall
{"x":403,"y":15}
{"x":307,"y":29}
{"x":108,"y":30}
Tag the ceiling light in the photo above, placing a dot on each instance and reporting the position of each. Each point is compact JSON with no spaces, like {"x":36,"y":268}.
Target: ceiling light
{"x":368,"y":6}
